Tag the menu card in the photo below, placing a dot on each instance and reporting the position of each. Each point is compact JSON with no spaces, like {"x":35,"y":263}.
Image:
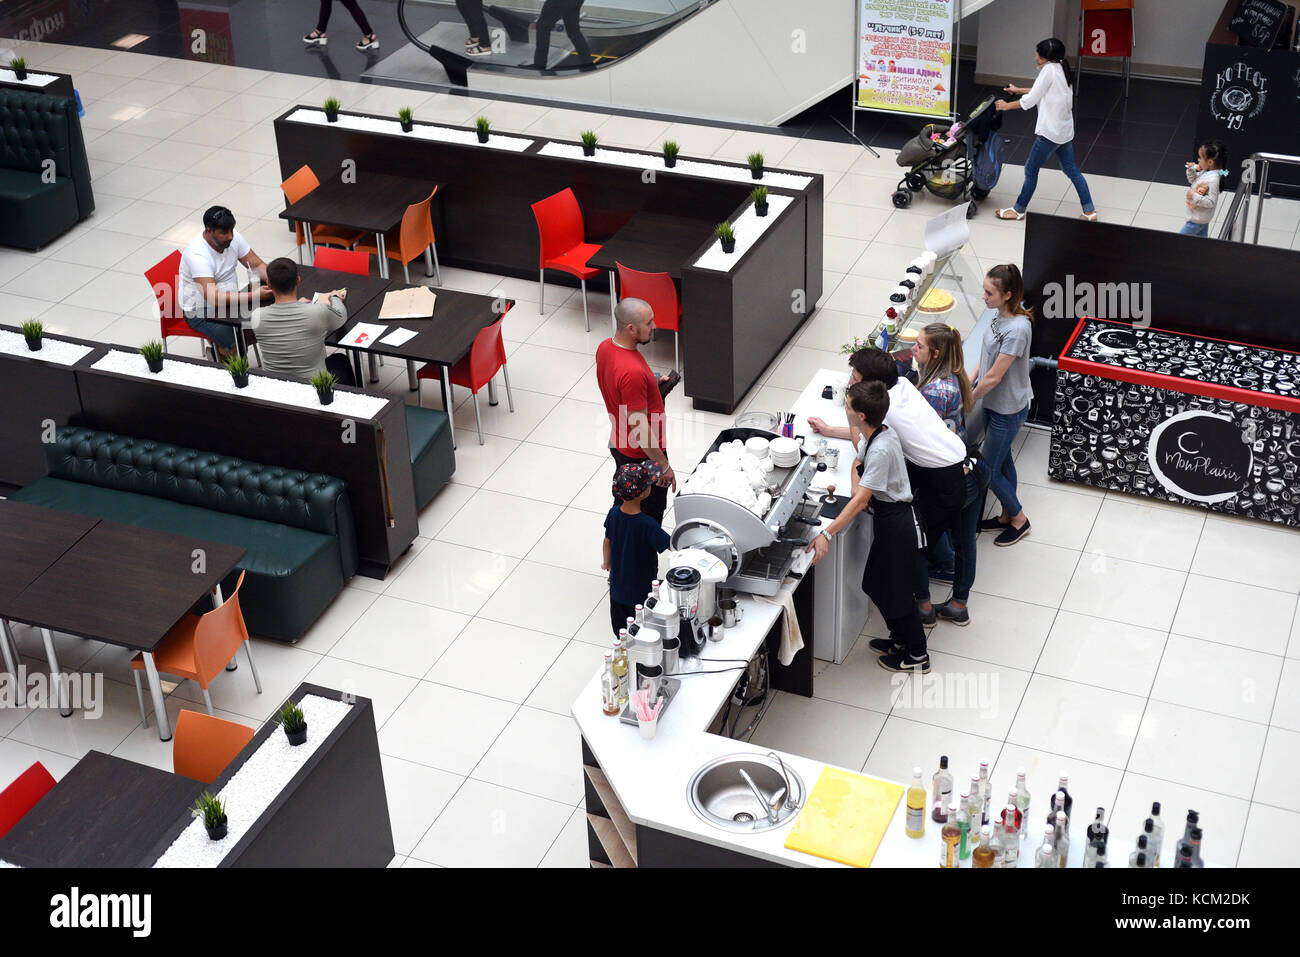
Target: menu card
{"x":414,"y":303}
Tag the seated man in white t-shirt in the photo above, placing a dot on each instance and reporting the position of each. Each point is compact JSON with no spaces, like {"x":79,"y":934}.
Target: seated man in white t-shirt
{"x":209,"y":281}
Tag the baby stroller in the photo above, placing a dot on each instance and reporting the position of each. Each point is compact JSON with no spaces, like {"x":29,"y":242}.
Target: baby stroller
{"x":954,"y":161}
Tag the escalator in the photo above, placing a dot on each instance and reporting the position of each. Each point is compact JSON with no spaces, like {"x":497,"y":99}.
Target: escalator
{"x":609,"y":30}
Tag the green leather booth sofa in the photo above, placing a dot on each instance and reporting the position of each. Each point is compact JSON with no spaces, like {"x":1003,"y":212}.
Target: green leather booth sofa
{"x":296,"y":526}
{"x":35,"y":127}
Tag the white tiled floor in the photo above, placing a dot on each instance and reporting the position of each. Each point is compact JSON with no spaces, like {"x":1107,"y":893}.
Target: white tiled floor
{"x":1152,"y":650}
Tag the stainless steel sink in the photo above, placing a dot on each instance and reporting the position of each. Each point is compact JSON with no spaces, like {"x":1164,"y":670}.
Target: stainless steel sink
{"x":720,"y":796}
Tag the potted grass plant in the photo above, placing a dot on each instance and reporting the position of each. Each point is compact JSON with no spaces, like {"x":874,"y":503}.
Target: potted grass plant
{"x":332,"y":109}
{"x":323,"y":383}
{"x":153,"y":355}
{"x":405,"y":117}
{"x":759,"y":196}
{"x":33,"y":330}
{"x":294,"y":723}
{"x":589,"y":141}
{"x":727,"y":234}
{"x":483,"y":128}
{"x":755,"y":161}
{"x":19,"y":66}
{"x":670,"y":153}
{"x":238,"y":368}
{"x":211,"y":810}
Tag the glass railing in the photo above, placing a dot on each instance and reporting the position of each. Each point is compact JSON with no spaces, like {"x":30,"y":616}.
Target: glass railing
{"x":538,"y":37}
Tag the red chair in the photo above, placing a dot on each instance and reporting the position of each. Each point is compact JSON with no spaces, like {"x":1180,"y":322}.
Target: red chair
{"x":659,"y":290}
{"x":560,"y":231}
{"x":476,"y":369}
{"x":164,"y":278}
{"x":342,"y":260}
{"x":21,"y":796}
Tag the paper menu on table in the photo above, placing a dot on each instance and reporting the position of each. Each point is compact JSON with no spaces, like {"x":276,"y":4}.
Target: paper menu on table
{"x":399,"y":337}
{"x":414,"y":303}
{"x":322,"y":297}
{"x":363,"y":335}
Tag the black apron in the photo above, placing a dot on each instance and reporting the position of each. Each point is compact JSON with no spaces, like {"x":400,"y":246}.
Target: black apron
{"x":889,"y":576}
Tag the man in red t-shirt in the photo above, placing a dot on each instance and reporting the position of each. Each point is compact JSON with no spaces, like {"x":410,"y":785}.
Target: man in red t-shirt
{"x":633,"y":400}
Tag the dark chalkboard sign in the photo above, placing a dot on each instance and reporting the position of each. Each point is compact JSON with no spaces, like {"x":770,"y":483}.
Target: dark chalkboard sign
{"x":1258,"y":23}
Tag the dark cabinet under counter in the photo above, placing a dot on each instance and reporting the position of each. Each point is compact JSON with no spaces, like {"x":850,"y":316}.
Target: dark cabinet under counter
{"x":1181,"y":418}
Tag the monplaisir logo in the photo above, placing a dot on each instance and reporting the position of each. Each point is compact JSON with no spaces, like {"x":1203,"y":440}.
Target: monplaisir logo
{"x":76,"y":910}
{"x":1200,"y":455}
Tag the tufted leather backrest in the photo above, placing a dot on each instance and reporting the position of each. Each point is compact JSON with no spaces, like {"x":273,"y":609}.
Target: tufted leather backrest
{"x":37,"y":126}
{"x":308,"y":500}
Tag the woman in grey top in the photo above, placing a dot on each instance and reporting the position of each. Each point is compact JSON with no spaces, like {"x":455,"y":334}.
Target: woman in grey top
{"x":1002,"y":382}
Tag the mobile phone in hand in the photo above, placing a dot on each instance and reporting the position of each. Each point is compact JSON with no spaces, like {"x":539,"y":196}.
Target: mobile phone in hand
{"x":667,"y":385}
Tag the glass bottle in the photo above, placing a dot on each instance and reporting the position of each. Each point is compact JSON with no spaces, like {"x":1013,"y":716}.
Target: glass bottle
{"x":1045,"y":856}
{"x":915,"y":824}
{"x":952,"y":837}
{"x":1139,"y":855}
{"x":1193,"y":820}
{"x":984,"y":854}
{"x":1010,"y":835}
{"x":1157,"y":838}
{"x":1096,"y":837}
{"x":1058,"y":807}
{"x":1184,"y":856}
{"x":1061,"y":837}
{"x":609,"y":686}
{"x":963,"y":826}
{"x":1062,"y":786}
{"x":1010,"y":818}
{"x":1022,"y":802}
{"x":1098,"y":857}
{"x":1195,"y":841}
{"x":620,"y":668}
{"x":639,"y":614}
{"x":974,"y":809}
{"x":986,"y":792}
{"x":942,"y":791}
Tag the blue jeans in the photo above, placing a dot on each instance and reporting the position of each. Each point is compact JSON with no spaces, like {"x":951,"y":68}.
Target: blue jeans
{"x":1043,"y":148}
{"x":1196,"y":229}
{"x":223,"y":335}
{"x":999,"y":432}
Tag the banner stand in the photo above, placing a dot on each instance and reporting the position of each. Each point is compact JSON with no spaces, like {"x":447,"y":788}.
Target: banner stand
{"x":952,"y":77}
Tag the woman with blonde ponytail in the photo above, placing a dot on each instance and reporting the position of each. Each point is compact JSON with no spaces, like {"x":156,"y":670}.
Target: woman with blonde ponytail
{"x":1002,"y":382}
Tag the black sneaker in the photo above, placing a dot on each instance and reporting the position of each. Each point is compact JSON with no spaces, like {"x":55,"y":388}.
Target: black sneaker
{"x":927,"y":617}
{"x":992,"y":525}
{"x":1010,"y":534}
{"x":884,"y":646}
{"x":949,"y":612}
{"x":905,"y":663}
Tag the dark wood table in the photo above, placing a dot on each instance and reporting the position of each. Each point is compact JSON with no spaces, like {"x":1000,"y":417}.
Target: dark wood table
{"x":122,"y":585}
{"x":652,"y":242}
{"x":375,"y":203}
{"x":32,"y":539}
{"x":105,"y":812}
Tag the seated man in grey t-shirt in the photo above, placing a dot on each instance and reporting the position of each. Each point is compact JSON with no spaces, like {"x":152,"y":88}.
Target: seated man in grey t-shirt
{"x":291,"y":331}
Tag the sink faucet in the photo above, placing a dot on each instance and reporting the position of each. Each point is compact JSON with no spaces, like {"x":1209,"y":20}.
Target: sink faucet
{"x":789,"y":795}
{"x":762,"y":798}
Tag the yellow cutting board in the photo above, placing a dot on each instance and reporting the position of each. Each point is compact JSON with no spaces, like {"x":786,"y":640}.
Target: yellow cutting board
{"x":845,"y":817}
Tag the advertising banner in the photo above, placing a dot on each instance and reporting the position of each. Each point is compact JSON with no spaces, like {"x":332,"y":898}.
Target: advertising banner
{"x":905,"y":56}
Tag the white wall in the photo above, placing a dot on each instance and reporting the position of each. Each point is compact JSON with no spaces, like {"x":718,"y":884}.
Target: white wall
{"x":1169,"y":35}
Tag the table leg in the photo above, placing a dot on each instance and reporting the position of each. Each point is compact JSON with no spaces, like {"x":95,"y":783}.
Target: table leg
{"x":374,"y":367}
{"x":9,"y":649}
{"x":444,"y":383}
{"x":311,"y":246}
{"x":56,"y":674}
{"x":356,"y":368}
{"x":159,"y":702}
{"x":613,"y":300}
{"x":383,"y":255}
{"x":411,"y":380}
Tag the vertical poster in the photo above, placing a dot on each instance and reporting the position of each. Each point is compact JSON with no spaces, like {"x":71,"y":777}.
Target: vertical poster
{"x":905,"y":56}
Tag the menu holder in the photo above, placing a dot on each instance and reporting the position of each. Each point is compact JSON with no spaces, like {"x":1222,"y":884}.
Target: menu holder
{"x":1258,"y":23}
{"x":414,"y":303}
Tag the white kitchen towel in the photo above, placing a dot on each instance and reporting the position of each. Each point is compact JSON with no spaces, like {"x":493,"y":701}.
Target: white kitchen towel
{"x":791,"y":636}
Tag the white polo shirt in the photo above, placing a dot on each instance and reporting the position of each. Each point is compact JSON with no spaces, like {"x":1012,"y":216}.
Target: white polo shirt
{"x":1051,"y":94}
{"x":926,"y":440}
{"x":200,"y":260}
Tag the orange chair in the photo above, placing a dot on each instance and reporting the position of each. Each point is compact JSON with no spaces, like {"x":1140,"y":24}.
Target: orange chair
{"x":659,"y":290}
{"x":204,"y":746}
{"x":343,"y":260}
{"x":412,"y":239}
{"x":486,"y":356}
{"x":295,"y":188}
{"x":164,"y":278}
{"x":560,"y":231}
{"x":200,"y":646}
{"x":21,"y":795}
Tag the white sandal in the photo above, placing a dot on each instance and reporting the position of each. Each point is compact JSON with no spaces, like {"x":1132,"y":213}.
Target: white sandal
{"x":1014,"y":215}
{"x":1090,"y":217}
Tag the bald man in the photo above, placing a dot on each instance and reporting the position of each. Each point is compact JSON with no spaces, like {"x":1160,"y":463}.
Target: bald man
{"x":632,"y":399}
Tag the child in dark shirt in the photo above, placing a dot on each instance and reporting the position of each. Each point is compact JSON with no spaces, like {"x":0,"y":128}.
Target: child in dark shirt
{"x":633,"y":541}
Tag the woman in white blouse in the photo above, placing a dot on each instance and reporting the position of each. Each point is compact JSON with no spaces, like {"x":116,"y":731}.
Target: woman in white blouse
{"x":1054,"y":131}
